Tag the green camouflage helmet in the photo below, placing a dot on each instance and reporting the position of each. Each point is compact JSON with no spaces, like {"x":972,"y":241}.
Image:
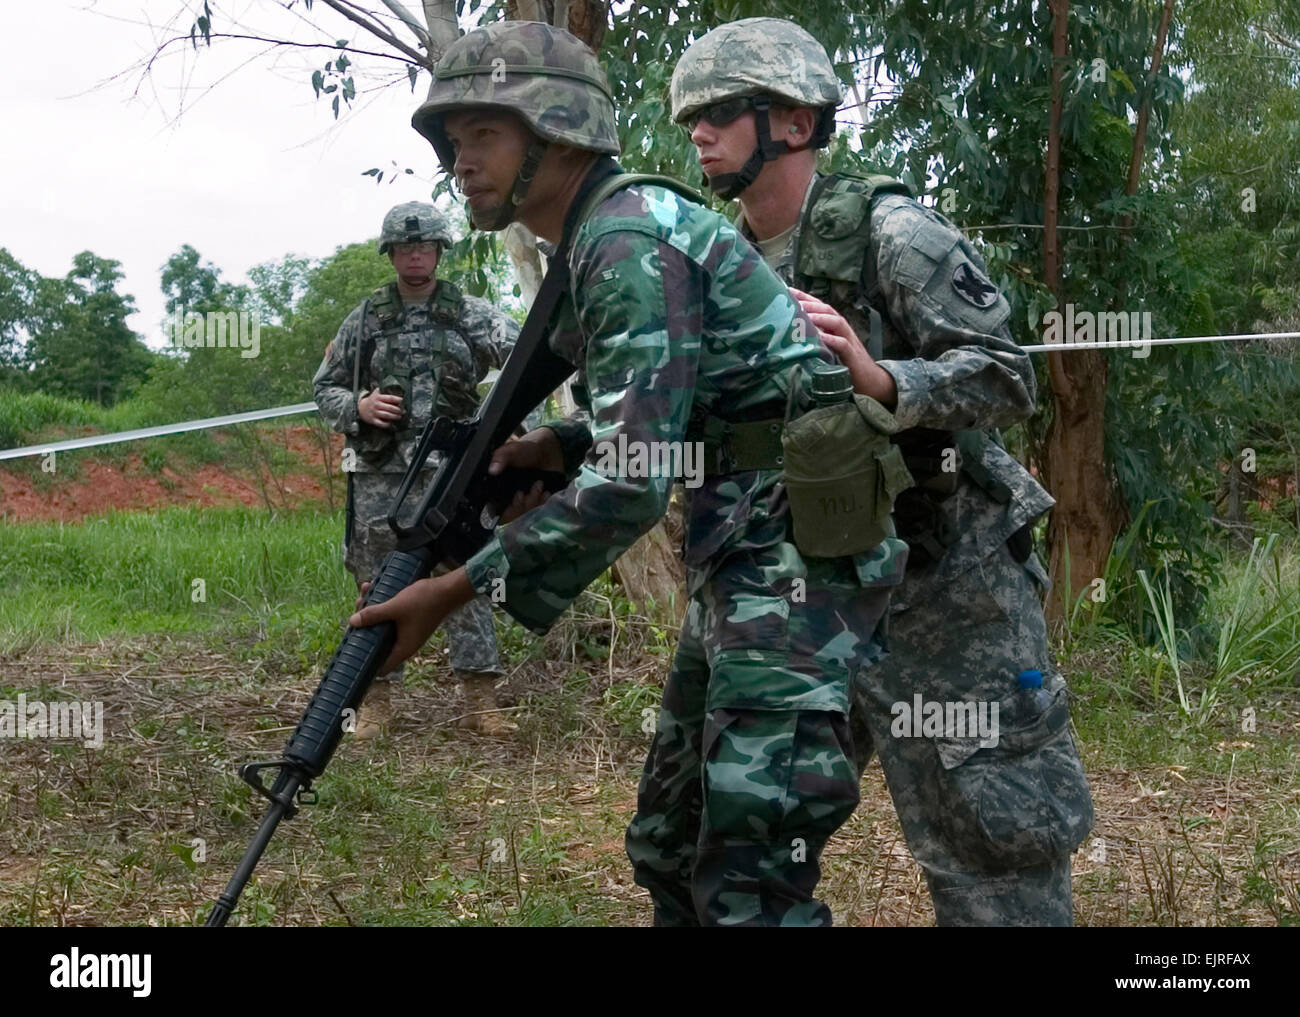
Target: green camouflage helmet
{"x":413,"y":222}
{"x":545,"y":75}
{"x":754,"y":56}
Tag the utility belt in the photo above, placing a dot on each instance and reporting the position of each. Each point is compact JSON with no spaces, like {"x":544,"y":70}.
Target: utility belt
{"x":936,"y":460}
{"x":749,"y":439}
{"x":842,"y":473}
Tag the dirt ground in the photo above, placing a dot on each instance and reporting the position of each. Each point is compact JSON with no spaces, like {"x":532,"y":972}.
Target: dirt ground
{"x":95,"y":836}
{"x":100,"y":487}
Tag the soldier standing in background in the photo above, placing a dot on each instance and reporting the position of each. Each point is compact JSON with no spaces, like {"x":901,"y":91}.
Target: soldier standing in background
{"x":415,"y":348}
{"x":904,"y":300}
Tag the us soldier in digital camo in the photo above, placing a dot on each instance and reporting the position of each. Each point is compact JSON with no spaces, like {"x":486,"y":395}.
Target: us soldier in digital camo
{"x":673,"y":322}
{"x":992,"y":827}
{"x":414,"y":347}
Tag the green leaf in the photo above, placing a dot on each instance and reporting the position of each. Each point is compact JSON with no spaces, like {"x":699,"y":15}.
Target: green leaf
{"x":186,"y":854}
{"x":1122,"y":78}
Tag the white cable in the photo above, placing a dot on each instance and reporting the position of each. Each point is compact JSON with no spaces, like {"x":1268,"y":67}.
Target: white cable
{"x":1137,"y":343}
{"x":296,"y":408}
{"x":156,"y":432}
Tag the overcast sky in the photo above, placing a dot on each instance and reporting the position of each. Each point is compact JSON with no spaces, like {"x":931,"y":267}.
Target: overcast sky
{"x":99,"y":157}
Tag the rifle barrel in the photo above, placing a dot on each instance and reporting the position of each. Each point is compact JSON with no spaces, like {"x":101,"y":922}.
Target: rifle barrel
{"x":225,"y":904}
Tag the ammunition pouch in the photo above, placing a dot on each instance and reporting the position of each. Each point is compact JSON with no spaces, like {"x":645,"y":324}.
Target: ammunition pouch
{"x":842,"y":475}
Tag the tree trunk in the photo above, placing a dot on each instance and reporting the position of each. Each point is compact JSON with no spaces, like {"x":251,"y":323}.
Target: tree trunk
{"x":651,"y":572}
{"x":1084,"y":523}
{"x":521,"y":247}
{"x":1088,"y":512}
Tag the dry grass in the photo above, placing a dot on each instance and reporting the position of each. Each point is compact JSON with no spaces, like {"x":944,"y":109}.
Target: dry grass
{"x":431,"y":825}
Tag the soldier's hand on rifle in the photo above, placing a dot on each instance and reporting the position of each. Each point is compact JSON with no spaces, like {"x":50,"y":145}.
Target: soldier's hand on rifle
{"x":418,"y":610}
{"x":837,"y":335}
{"x":380,"y":410}
{"x":538,"y":449}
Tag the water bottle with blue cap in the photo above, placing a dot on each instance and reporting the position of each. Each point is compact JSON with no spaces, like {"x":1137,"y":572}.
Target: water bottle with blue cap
{"x":1034,"y":699}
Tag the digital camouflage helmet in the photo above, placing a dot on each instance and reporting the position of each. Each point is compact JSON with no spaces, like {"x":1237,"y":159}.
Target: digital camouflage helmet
{"x":544,"y":75}
{"x":414,"y":222}
{"x":766,"y":60}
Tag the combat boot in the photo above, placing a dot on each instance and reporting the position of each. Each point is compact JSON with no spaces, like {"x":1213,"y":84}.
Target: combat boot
{"x":376,"y":710}
{"x":480,"y":700}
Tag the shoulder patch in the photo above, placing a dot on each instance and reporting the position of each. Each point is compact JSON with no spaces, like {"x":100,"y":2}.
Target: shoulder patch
{"x":972,"y":287}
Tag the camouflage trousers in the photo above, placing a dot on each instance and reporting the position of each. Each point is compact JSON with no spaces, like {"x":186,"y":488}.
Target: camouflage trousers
{"x":751,"y":769}
{"x":471,"y":635}
{"x":992,"y":826}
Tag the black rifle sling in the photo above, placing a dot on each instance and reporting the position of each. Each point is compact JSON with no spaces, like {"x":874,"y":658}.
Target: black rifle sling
{"x":531,"y":373}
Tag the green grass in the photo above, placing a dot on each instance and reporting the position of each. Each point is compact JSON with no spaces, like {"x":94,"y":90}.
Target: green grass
{"x":181,"y":569}
{"x":428,"y":826}
{"x":33,"y":418}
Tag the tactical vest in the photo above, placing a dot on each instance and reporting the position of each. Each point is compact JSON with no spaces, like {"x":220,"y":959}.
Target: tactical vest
{"x":376,"y":444}
{"x":835,"y":242}
{"x":834,"y":245}
{"x":390,"y":312}
{"x":839,"y":221}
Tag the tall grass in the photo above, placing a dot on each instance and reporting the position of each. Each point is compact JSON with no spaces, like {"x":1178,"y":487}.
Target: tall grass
{"x":23,"y":415}
{"x":127,"y":573}
{"x":28,"y":417}
{"x":1251,"y":615}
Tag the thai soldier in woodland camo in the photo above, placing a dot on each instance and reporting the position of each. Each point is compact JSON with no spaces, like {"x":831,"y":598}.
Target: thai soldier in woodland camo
{"x":415,"y":348}
{"x":906,"y":302}
{"x":672,"y":320}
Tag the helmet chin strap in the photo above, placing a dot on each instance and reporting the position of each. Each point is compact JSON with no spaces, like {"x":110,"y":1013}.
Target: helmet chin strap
{"x":730,"y":185}
{"x":498,"y":217}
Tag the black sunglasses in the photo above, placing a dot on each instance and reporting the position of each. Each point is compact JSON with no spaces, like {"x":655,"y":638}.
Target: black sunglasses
{"x":720,"y":113}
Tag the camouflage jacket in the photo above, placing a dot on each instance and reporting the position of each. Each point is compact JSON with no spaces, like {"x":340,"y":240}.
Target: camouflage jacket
{"x":670,"y":313}
{"x":430,"y":357}
{"x":947,"y":346}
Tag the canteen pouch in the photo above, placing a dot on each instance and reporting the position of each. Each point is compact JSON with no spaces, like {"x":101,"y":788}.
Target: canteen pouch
{"x":842,"y":475}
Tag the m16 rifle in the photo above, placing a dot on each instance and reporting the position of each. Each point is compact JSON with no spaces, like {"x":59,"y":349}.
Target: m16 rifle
{"x":449,"y":526}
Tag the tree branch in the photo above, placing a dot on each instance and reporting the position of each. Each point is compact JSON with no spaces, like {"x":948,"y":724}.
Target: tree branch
{"x":1144,"y":110}
{"x":1281,"y":40}
{"x":380,"y":32}
{"x":440,"y":15}
{"x":409,"y":20}
{"x":277,"y":42}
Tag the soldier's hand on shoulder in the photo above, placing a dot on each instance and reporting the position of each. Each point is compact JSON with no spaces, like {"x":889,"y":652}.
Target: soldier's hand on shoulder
{"x":837,"y":335}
